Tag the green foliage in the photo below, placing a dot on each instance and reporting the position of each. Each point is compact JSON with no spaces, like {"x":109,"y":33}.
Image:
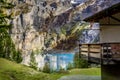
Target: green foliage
{"x":63,"y":31}
{"x":17,"y":56}
{"x":4,"y":5}
{"x":70,"y":66}
{"x":7,"y":47}
{"x":22,"y":8}
{"x":11,"y":70}
{"x":62,"y":71}
{"x":86,"y":71}
{"x":33,"y":63}
{"x":83,"y":63}
{"x":46,"y":68}
{"x":79,"y":62}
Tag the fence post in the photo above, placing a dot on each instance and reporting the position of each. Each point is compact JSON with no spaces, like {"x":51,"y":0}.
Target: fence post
{"x":88,"y":52}
{"x":101,"y":54}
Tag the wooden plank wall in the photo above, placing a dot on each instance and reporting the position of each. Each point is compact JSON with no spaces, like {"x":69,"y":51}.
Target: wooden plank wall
{"x":106,"y":53}
{"x":88,"y":51}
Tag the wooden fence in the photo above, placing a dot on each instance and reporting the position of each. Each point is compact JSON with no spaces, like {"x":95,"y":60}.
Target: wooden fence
{"x":102,"y":53}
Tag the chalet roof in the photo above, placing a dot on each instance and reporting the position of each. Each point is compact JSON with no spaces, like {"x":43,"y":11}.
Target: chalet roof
{"x":100,"y":9}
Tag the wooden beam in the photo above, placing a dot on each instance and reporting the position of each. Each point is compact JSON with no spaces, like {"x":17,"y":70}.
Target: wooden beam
{"x":114,"y":18}
{"x":105,"y":13}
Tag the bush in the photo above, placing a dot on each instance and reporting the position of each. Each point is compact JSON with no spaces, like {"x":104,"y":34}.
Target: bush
{"x":62,"y":70}
{"x":7,"y":46}
{"x":83,"y":63}
{"x":70,"y":66}
{"x":46,"y":68}
{"x":17,"y":56}
{"x":33,"y":63}
{"x":79,"y":62}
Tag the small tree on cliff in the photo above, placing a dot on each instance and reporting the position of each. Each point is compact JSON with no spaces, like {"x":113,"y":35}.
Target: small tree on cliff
{"x":79,"y":62}
{"x":46,"y":68}
{"x":33,"y":63}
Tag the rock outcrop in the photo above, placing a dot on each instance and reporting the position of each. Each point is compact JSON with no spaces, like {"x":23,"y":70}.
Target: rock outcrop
{"x":40,"y":26}
{"x":33,"y":24}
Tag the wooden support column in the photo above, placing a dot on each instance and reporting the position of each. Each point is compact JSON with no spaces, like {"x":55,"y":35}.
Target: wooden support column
{"x":101,"y":54}
{"x":79,"y":50}
{"x":88,"y":52}
{"x":110,"y":72}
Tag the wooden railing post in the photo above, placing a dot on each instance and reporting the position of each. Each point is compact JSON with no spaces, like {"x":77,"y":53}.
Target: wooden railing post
{"x":79,"y":50}
{"x":101,"y":54}
{"x":88,"y":52}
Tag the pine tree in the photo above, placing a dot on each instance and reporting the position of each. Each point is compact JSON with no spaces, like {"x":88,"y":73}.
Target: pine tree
{"x":33,"y":62}
{"x":7,"y":48}
{"x":4,"y":5}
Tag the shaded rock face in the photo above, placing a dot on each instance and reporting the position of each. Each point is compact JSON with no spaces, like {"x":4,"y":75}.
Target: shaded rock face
{"x":33,"y":25}
{"x":40,"y":26}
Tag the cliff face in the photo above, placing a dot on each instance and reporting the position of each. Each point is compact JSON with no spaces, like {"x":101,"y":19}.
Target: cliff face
{"x":33,"y":25}
{"x":41,"y":26}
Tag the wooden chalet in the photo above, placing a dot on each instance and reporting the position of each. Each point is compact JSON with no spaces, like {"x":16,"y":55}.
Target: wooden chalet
{"x":107,"y":52}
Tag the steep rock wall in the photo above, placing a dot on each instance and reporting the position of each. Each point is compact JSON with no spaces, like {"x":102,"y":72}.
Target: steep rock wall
{"x":42,"y":26}
{"x":33,"y":25}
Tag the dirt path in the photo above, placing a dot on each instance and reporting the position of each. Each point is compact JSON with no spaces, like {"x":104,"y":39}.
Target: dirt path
{"x":80,"y":77}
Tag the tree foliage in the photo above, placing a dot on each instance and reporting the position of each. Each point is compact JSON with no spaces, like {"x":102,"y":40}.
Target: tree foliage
{"x":70,"y":66}
{"x":79,"y":62}
{"x":46,"y":68}
{"x":7,"y":47}
{"x":4,"y":17}
{"x":33,"y":62}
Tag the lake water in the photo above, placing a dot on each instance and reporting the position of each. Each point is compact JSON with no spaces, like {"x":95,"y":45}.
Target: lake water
{"x":59,"y":61}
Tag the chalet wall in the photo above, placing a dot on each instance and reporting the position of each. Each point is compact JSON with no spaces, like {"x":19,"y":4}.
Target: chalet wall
{"x":109,"y":20}
{"x":110,"y":33}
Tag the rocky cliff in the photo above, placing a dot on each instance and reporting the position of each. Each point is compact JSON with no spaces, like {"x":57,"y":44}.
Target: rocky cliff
{"x":33,"y":25}
{"x":40,"y":26}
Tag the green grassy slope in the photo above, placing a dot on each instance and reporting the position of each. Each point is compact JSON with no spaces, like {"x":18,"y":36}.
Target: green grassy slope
{"x":12,"y":71}
{"x":87,"y":71}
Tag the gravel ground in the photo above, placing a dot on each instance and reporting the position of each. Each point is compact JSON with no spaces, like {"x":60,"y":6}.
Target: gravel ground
{"x":80,"y":77}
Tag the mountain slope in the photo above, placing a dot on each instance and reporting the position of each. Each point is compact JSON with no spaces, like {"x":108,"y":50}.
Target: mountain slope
{"x":13,"y":71}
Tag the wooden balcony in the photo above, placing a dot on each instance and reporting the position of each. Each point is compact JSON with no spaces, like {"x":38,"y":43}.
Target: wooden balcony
{"x":102,"y":53}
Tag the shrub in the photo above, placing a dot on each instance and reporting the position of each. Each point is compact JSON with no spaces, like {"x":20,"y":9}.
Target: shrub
{"x":33,"y":63}
{"x":7,"y":47}
{"x":79,"y":62}
{"x":17,"y":56}
{"x":70,"y":66}
{"x":46,"y":68}
{"x":83,"y":63}
{"x":62,"y":70}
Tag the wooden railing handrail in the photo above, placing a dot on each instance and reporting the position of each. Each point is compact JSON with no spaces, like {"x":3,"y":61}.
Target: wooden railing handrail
{"x":103,"y":51}
{"x":99,"y":43}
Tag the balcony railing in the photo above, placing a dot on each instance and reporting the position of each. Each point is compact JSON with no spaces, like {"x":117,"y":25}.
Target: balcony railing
{"x":102,"y":53}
